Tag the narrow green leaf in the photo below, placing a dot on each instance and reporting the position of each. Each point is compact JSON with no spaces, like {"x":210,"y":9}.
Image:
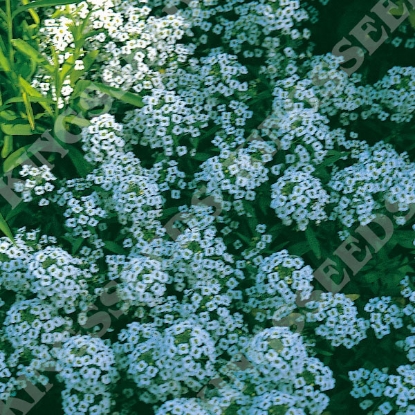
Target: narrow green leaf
{"x":127,"y":97}
{"x":32,"y":53}
{"x":16,"y":211}
{"x":113,"y":247}
{"x":333,"y":156}
{"x":8,"y":115}
{"x":29,"y":110}
{"x":4,"y":227}
{"x":405,"y":238}
{"x":244,"y":238}
{"x":201,"y":156}
{"x":33,"y":99}
{"x":81,"y":165}
{"x":80,"y":122}
{"x":17,"y":129}
{"x":16,"y":159}
{"x":300,"y":248}
{"x":35,"y":95}
{"x":7,"y":146}
{"x":75,"y":242}
{"x":44,"y":3}
{"x":353,"y":297}
{"x":4,"y":62}
{"x":3,"y":15}
{"x":323,"y":352}
{"x":312,"y":240}
{"x":372,"y":276}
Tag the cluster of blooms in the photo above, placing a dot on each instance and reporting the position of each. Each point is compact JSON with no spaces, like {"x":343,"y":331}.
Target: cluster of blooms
{"x":379,"y":175}
{"x":338,"y":320}
{"x":282,"y":377}
{"x":207,"y":89}
{"x":86,"y":365}
{"x":403,"y":37}
{"x":237,"y":174}
{"x":143,"y":282}
{"x":101,"y":141}
{"x":37,"y":184}
{"x":383,"y":315}
{"x":333,"y":92}
{"x":299,"y":197}
{"x":408,"y":292}
{"x":126,"y":190}
{"x":166,"y":364}
{"x":280,"y":278}
{"x":397,"y":391}
{"x":33,"y":328}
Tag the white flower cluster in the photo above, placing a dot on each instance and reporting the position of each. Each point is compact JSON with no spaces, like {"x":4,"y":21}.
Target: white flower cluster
{"x":282,"y":360}
{"x":87,"y":367}
{"x":142,"y":282}
{"x":338,"y":320}
{"x":59,"y":278}
{"x":174,"y":109}
{"x":101,"y":140}
{"x":280,"y":278}
{"x":397,"y":391}
{"x":399,"y":84}
{"x":182,"y":406}
{"x":32,"y":324}
{"x":37,"y":184}
{"x":236,"y":174}
{"x":126,"y":190}
{"x":299,"y":197}
{"x":166,"y":364}
{"x":408,"y":344}
{"x":379,"y":175}
{"x":383,"y":315}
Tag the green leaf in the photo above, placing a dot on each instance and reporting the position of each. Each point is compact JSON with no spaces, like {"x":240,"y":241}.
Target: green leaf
{"x":7,"y":146}
{"x":33,"y":99}
{"x":76,"y":245}
{"x":35,"y":95}
{"x":33,"y":54}
{"x":16,"y":211}
{"x":127,"y":97}
{"x":16,"y":159}
{"x":201,"y":156}
{"x":44,"y":3}
{"x":29,"y":110}
{"x":333,"y":156}
{"x":4,"y":227}
{"x":113,"y":247}
{"x":244,"y":238}
{"x":75,"y":242}
{"x":312,"y":240}
{"x":353,"y":297}
{"x":299,"y":248}
{"x":323,"y":352}
{"x":3,"y":15}
{"x":80,"y":122}
{"x":372,"y":276}
{"x":34,"y":15}
{"x":77,"y":158}
{"x":4,"y":62}
{"x":16,"y":129}
{"x":8,"y":115}
{"x":405,"y":238}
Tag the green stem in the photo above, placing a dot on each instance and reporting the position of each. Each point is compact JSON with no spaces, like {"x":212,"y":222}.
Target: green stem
{"x":10,"y":30}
